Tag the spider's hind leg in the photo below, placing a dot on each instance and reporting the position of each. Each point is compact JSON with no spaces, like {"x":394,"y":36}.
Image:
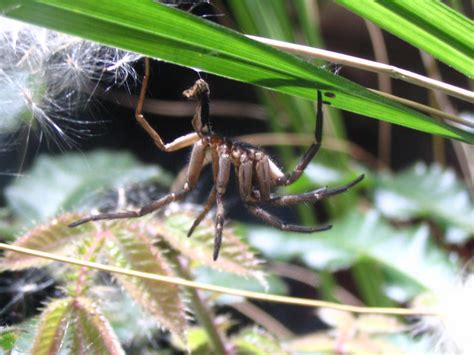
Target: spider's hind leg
{"x":278,"y":223}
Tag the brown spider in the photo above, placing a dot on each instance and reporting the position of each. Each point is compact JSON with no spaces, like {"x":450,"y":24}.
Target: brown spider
{"x":255,"y":171}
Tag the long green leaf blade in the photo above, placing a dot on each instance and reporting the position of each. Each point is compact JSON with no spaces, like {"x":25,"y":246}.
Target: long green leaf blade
{"x":158,"y":31}
{"x":429,"y":25}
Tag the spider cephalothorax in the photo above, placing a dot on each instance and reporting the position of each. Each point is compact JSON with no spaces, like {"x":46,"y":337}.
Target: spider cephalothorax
{"x":255,"y":171}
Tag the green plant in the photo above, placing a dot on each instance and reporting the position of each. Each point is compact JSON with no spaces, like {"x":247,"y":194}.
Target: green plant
{"x":384,"y":234}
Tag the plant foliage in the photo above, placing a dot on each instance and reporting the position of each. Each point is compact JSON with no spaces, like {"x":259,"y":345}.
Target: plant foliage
{"x":164,"y":33}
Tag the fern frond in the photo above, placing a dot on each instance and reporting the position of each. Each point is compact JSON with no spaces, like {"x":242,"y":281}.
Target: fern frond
{"x":49,"y":336}
{"x":53,"y":237}
{"x":91,"y":332}
{"x":130,"y":247}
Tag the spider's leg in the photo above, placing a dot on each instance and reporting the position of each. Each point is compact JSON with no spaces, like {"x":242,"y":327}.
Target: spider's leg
{"x":244,"y":178}
{"x":312,"y":196}
{"x":211,"y":200}
{"x":181,"y":142}
{"x":278,"y":223}
{"x":292,"y":176}
{"x":194,"y":171}
{"x":264,"y":177}
{"x":165,"y":200}
{"x":222,"y":180}
{"x":200,"y":92}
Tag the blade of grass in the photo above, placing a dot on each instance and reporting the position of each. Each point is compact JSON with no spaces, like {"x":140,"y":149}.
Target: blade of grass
{"x":429,"y":25}
{"x":161,"y":32}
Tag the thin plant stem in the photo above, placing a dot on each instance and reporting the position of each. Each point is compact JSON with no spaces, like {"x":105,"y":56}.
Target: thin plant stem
{"x":464,"y":152}
{"x":375,"y":67}
{"x":381,"y":55}
{"x":298,"y":301}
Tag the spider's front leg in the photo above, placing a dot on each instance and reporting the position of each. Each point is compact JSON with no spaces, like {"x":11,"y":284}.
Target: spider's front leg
{"x":194,"y":170}
{"x":178,"y":143}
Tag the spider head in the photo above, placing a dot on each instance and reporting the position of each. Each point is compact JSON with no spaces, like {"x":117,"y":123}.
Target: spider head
{"x":199,"y":91}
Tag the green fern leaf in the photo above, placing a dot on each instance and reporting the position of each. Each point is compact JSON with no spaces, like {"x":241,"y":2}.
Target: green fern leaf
{"x":91,"y":332}
{"x":49,"y":336}
{"x":130,"y":247}
{"x":53,"y":237}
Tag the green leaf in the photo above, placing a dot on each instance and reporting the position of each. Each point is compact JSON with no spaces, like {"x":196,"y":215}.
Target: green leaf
{"x":158,"y":31}
{"x":431,"y":192}
{"x":53,"y":237}
{"x":131,"y":246}
{"x":91,"y":333}
{"x":54,"y":320}
{"x":429,"y":25}
{"x":356,"y":237}
{"x":55,"y":184}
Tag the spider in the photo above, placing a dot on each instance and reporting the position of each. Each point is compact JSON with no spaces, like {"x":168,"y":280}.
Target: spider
{"x":255,"y":171}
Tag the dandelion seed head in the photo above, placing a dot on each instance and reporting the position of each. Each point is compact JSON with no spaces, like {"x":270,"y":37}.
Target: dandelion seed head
{"x":451,"y":332}
{"x":47,"y":78}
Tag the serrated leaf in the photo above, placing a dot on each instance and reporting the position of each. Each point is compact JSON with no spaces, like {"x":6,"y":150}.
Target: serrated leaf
{"x":257,"y":341}
{"x":59,"y":183}
{"x":161,"y":32}
{"x":235,"y":255}
{"x":51,"y":328}
{"x":406,"y":251}
{"x":431,"y":192}
{"x":90,"y":331}
{"x":131,"y":247}
{"x":53,"y":237}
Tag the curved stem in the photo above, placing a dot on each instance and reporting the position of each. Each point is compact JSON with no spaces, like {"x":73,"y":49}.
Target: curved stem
{"x":305,"y":302}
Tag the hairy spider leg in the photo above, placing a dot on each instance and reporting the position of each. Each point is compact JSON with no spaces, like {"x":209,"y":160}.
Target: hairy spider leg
{"x":211,"y":200}
{"x":292,"y":176}
{"x":278,"y":223}
{"x":312,"y":196}
{"x":194,"y":170}
{"x":222,"y":180}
